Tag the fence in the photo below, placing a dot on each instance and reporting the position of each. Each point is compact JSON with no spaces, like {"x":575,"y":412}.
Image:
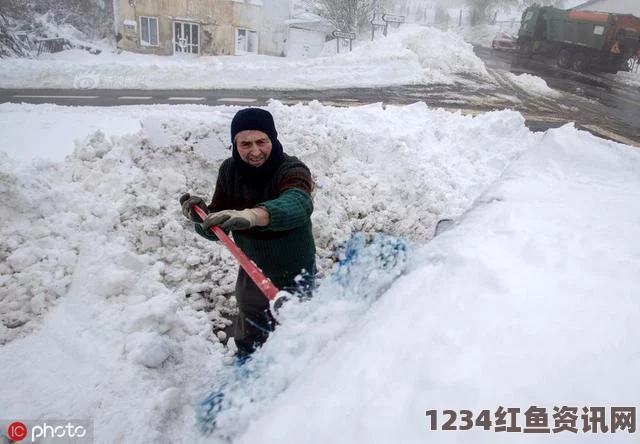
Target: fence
{"x":52,"y":45}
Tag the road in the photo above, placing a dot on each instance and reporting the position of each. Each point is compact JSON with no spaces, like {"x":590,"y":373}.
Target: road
{"x":590,"y":100}
{"x":594,"y":104}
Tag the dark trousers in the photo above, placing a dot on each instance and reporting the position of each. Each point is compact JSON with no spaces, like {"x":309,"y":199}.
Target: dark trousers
{"x":255,"y":321}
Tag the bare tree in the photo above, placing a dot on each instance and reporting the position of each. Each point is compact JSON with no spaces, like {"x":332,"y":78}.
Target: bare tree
{"x":92,"y":17}
{"x":344,"y":15}
{"x":10,"y":45}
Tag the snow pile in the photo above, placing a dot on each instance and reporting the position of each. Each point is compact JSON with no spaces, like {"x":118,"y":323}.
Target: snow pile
{"x":65,"y":245}
{"x":305,"y":331}
{"x":133,"y":296}
{"x":442,"y":54}
{"x":533,"y":84}
{"x":531,"y":300}
{"x":411,"y":55}
{"x":483,"y":35}
{"x":367,"y":181}
{"x":50,"y":131}
{"x":630,"y":78}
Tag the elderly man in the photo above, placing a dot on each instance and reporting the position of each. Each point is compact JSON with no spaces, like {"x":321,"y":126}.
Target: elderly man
{"x":262,"y":196}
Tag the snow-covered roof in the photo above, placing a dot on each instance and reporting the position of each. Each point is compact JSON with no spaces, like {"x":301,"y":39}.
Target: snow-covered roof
{"x":309,"y":20}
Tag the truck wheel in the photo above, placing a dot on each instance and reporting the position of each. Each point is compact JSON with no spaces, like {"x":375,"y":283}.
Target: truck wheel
{"x":564,"y":59}
{"x":580,"y":62}
{"x":526,"y":49}
{"x":628,"y":65}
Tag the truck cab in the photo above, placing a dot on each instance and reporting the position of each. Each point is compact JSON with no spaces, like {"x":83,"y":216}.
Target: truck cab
{"x":532,"y":28}
{"x":530,"y":18}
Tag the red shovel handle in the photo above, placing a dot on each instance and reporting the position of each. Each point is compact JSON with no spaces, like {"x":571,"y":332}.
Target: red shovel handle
{"x":264,"y":283}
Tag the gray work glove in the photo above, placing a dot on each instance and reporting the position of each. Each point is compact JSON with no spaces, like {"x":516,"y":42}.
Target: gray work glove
{"x":230,"y":220}
{"x":187,"y":201}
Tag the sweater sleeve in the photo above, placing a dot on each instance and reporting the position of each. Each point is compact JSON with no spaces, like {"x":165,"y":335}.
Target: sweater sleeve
{"x":290,"y":210}
{"x":219,"y":201}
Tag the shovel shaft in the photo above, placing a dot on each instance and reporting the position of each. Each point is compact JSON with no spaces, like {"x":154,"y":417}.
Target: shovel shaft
{"x":264,"y":283}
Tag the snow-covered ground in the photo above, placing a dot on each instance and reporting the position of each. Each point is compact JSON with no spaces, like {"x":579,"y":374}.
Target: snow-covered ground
{"x":529,"y":300}
{"x":629,"y":78}
{"x":409,"y":55}
{"x":111,"y":306}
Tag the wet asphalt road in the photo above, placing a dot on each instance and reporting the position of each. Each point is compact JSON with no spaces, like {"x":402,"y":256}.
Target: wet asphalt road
{"x":597,"y":104}
{"x":590,"y":100}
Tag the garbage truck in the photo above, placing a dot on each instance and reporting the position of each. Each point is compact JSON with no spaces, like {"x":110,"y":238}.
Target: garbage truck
{"x":584,"y":41}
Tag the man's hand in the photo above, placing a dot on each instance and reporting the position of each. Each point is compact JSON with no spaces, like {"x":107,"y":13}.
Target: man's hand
{"x":230,"y":220}
{"x":188,"y":201}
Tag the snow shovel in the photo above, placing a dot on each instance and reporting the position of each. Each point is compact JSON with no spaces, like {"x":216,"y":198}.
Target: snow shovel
{"x":265,"y":285}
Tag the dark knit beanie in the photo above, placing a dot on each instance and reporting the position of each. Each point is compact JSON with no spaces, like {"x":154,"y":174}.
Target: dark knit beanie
{"x":253,"y":119}
{"x":260,"y":120}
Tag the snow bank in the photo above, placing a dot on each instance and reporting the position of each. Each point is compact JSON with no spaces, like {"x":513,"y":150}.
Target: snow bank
{"x":110,"y":303}
{"x":412,"y":55}
{"x":483,"y":35}
{"x":629,"y":78}
{"x":531,"y":300}
{"x":533,"y":84}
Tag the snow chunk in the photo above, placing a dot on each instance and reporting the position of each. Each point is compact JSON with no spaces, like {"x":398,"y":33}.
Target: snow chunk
{"x":148,"y":349}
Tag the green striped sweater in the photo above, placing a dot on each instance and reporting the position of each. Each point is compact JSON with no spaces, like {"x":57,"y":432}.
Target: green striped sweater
{"x":285,"y":247}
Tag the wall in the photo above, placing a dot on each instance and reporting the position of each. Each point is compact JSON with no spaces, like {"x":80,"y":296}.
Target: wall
{"x":266,"y":17}
{"x":304,"y":43}
{"x":218,"y":20}
{"x":214,"y":18}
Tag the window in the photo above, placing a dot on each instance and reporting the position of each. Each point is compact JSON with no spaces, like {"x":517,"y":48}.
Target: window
{"x":186,"y":38}
{"x":246,"y":41}
{"x":148,"y":31}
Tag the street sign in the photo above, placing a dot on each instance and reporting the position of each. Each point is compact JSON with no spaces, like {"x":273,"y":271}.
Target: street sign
{"x":393,"y":18}
{"x":344,"y":35}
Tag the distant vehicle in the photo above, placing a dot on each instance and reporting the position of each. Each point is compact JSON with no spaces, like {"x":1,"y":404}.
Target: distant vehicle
{"x":504,"y":42}
{"x":579,"y":40}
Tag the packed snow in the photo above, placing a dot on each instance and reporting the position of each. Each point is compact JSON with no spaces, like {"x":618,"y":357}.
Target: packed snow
{"x":98,"y":262}
{"x":533,"y":84}
{"x":630,"y":78}
{"x":112,"y":309}
{"x":410,"y":55}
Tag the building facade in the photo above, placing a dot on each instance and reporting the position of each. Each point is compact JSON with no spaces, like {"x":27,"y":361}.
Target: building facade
{"x":202,"y":27}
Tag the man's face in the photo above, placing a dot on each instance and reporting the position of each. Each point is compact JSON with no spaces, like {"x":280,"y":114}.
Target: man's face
{"x":254,"y":147}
